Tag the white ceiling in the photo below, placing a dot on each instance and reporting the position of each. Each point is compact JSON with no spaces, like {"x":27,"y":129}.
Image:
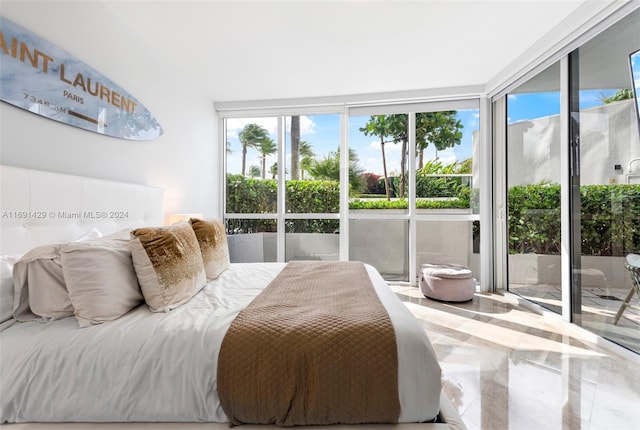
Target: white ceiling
{"x":241,"y":50}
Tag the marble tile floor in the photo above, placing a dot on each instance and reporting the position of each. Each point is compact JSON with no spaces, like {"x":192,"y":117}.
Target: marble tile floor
{"x":508,"y":367}
{"x":599,"y":308}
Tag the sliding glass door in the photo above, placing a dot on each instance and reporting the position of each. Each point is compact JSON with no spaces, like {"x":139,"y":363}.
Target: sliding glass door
{"x":533,"y":189}
{"x":573,"y":185}
{"x":606,"y":125}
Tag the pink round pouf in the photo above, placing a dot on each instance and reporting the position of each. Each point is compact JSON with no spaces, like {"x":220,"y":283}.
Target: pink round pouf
{"x":447,"y":282}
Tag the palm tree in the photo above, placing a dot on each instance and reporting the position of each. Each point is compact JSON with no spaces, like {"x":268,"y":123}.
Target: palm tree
{"x":266,"y":147}
{"x":251,"y":136}
{"x":442,"y":129}
{"x":328,"y":169}
{"x":379,"y":126}
{"x":295,"y":146}
{"x":254,"y":171}
{"x":307,"y":156}
{"x":274,"y":170}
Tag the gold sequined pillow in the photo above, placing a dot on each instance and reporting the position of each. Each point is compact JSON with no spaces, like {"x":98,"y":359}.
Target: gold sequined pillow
{"x":213,"y":245}
{"x":168,"y":264}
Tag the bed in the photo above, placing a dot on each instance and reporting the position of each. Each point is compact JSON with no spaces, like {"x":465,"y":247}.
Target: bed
{"x":143,"y":366}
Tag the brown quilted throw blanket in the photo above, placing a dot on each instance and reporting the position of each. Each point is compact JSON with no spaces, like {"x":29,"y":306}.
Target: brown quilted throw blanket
{"x":315,"y":347}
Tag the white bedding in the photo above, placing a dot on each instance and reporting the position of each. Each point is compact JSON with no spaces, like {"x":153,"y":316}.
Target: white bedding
{"x":162,"y":366}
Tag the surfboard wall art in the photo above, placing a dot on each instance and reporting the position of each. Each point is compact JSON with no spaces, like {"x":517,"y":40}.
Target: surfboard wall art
{"x":37,"y":76}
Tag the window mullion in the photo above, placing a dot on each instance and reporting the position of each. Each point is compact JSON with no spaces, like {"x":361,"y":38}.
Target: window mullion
{"x":344,"y":184}
{"x":411,"y":132}
{"x":281,"y":233}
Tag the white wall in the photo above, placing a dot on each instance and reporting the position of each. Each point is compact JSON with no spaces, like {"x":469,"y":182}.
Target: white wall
{"x":183,"y":161}
{"x":609,"y":136}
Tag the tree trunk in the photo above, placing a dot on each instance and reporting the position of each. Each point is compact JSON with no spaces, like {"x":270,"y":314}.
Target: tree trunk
{"x":384,"y":168}
{"x":421,"y":159}
{"x":403,"y":164}
{"x":244,"y":159}
{"x":264,"y":166}
{"x":295,"y":147}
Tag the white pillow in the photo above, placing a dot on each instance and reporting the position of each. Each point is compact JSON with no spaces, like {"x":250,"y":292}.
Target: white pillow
{"x":6,"y":287}
{"x":168,"y":262}
{"x":100,"y":278}
{"x":40,"y":291}
{"x":212,"y":239}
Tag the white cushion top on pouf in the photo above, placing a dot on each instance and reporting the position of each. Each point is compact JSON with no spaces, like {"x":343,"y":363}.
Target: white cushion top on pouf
{"x":447,"y":282}
{"x":447,"y":271}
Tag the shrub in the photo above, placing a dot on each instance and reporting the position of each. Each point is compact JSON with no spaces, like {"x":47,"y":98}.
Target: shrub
{"x":534,"y":219}
{"x":610,"y":219}
{"x":248,"y":195}
{"x":442,"y":186}
{"x":373,"y":184}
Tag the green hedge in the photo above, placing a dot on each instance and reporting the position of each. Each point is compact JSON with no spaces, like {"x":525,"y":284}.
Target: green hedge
{"x":460,"y":202}
{"x":610,"y":213}
{"x":248,"y":195}
{"x":610,"y":219}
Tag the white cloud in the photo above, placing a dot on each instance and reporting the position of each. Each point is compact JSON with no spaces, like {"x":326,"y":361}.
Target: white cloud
{"x":306,"y":125}
{"x":234,"y":163}
{"x":374,"y":145}
{"x":235,"y":125}
{"x":447,"y":156}
{"x":388,"y":146}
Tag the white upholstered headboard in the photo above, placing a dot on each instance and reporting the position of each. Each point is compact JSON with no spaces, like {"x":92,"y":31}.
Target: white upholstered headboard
{"x":38,"y":207}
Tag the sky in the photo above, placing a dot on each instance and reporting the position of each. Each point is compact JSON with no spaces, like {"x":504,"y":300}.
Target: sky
{"x":323,"y":131}
{"x":522,"y":107}
{"x":635,"y":67}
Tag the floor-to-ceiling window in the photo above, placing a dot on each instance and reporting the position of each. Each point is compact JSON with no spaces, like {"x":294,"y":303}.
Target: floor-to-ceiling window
{"x":300,"y":201}
{"x":312,"y":187}
{"x":251,"y":202}
{"x":378,"y":208}
{"x":420,"y":200}
{"x":573,"y":194}
{"x":447,"y":188}
{"x":403,"y":184}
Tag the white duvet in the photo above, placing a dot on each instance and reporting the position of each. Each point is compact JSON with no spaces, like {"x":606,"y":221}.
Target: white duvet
{"x":162,"y":367}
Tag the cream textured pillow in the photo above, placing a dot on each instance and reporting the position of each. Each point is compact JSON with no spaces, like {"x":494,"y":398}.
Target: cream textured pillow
{"x":169,"y":265}
{"x":100,"y":278}
{"x":6,"y":286}
{"x":40,"y":290}
{"x":212,"y":238}
{"x":39,"y":284}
